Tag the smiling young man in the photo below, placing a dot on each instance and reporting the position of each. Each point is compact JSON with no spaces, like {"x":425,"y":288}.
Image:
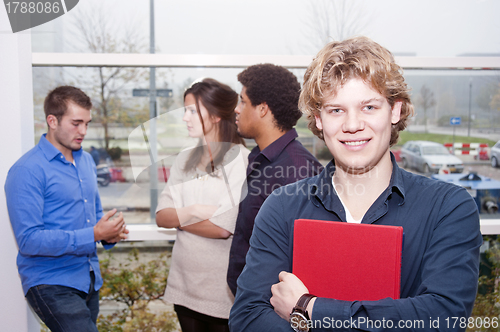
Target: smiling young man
{"x":267,"y":112}
{"x":357,"y":101}
{"x":56,"y":214}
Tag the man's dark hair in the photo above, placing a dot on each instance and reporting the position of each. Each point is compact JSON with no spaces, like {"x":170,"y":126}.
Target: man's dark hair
{"x":56,"y":102}
{"x":278,"y":88}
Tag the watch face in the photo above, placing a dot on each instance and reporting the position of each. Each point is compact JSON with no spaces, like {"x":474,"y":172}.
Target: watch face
{"x":299,"y":322}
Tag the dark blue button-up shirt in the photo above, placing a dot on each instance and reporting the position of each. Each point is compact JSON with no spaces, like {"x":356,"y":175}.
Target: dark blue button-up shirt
{"x":284,"y":161}
{"x":53,"y":208}
{"x":440,"y":261}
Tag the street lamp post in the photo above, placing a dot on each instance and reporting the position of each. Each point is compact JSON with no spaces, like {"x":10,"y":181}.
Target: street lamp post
{"x":153,"y":174}
{"x":470,"y":103}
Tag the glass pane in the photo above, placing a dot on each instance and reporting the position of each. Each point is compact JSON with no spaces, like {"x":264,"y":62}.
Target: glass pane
{"x":129,"y":143}
{"x":438,"y":96}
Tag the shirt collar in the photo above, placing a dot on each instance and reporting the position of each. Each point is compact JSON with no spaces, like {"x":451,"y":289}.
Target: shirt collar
{"x":273,"y":150}
{"x":326,"y":194}
{"x":397,"y":183}
{"x":51,"y":152}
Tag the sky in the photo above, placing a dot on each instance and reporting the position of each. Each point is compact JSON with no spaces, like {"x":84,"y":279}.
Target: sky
{"x":427,"y":28}
{"x":424,"y":28}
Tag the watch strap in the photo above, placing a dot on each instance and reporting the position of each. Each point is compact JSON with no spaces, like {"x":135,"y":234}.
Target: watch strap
{"x":303,"y":302}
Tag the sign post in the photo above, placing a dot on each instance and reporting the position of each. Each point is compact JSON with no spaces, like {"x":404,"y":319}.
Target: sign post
{"x":152,"y":93}
{"x":455,"y":121}
{"x":146,"y":92}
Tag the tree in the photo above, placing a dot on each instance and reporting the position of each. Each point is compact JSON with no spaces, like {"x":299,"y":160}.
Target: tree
{"x":483,"y":100}
{"x":330,"y":20}
{"x":446,"y":104}
{"x":135,"y":284}
{"x":177,"y":99}
{"x":97,"y":33}
{"x":426,"y":100}
{"x":495,"y":100}
{"x":488,"y":297}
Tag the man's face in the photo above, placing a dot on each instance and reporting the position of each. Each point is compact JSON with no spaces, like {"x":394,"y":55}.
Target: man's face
{"x":246,"y":116}
{"x":356,"y":124}
{"x":69,"y":133}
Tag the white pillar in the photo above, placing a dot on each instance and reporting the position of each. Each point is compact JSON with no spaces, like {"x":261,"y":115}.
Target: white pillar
{"x":16,"y":138}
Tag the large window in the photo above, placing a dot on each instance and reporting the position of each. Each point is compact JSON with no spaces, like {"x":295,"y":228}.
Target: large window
{"x":140,"y":151}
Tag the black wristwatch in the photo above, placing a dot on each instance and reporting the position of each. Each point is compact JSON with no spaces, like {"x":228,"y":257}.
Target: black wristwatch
{"x":299,"y":317}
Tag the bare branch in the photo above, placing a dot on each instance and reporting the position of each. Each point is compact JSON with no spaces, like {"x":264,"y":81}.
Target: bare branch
{"x":96,"y":33}
{"x":330,"y":20}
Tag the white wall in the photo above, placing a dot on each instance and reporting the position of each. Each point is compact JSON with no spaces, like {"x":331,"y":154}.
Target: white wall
{"x":16,"y":137}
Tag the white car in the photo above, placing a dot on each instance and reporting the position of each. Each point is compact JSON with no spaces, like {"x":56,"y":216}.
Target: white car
{"x":429,"y":157}
{"x":495,"y":155}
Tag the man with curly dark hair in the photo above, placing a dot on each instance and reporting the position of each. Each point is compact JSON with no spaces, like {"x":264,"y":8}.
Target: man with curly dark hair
{"x":274,"y":86}
{"x":267,"y":112}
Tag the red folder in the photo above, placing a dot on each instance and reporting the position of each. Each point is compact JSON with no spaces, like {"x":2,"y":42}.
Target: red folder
{"x":345,"y":261}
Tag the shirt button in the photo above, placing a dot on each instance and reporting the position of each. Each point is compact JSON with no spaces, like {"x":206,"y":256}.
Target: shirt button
{"x":85,"y":200}
{"x":88,"y":220}
{"x":80,"y":180}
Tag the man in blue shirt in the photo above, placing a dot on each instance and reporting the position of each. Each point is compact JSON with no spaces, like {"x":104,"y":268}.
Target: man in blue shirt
{"x":357,"y":101}
{"x":267,"y":112}
{"x":56,"y":214}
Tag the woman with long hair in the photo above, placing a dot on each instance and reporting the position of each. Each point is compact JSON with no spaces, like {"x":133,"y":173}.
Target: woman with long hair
{"x":201,"y":199}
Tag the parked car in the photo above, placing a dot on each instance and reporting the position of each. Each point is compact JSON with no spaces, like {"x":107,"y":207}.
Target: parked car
{"x":429,"y":157}
{"x":103,"y":175}
{"x":495,"y":155}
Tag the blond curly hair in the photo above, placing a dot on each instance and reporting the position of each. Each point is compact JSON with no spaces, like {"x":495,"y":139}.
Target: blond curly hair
{"x":358,"y":57}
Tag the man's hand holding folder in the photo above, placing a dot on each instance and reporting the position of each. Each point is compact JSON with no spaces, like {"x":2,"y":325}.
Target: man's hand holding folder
{"x":343,"y":261}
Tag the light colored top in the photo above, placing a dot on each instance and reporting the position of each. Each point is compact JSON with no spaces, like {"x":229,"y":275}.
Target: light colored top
{"x":348,"y":216}
{"x":197,"y":277}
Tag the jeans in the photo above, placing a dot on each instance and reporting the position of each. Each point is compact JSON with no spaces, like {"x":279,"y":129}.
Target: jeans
{"x":65,"y":309}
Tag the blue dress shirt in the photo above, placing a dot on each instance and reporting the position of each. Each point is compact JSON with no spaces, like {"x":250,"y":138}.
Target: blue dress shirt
{"x":440,"y":260}
{"x":53,"y":208}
